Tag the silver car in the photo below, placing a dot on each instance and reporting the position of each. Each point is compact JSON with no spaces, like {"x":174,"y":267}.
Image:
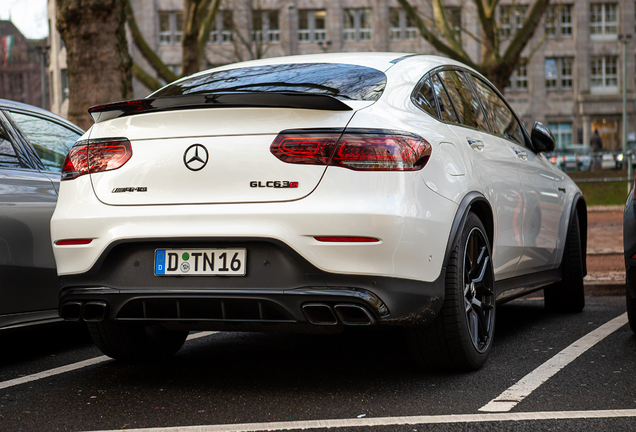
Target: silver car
{"x":33,"y":145}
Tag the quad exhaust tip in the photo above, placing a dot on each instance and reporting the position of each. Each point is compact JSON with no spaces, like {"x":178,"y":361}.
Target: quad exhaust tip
{"x":71,"y":311}
{"x":348,"y":314}
{"x":320,"y":314}
{"x":94,"y":311}
{"x":354,"y":315}
{"x":89,"y":312}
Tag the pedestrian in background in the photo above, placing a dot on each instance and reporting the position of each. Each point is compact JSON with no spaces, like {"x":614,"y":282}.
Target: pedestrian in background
{"x":596,"y":144}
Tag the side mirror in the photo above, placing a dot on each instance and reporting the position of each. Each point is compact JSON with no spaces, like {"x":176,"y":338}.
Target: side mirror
{"x":542,"y":138}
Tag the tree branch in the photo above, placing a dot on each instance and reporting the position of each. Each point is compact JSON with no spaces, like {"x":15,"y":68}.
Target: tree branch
{"x":144,"y":77}
{"x":513,"y":53}
{"x":204,"y":31}
{"x":434,"y":40}
{"x":152,"y":58}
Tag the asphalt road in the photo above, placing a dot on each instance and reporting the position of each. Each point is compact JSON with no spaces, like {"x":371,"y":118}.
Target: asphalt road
{"x":359,"y":380}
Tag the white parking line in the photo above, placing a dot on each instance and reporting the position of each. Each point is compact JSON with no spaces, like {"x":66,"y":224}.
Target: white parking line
{"x":515,"y":394}
{"x":392,"y":421}
{"x":74,"y":366}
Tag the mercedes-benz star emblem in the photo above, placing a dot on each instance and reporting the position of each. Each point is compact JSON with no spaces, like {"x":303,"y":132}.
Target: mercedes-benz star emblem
{"x":195,"y":157}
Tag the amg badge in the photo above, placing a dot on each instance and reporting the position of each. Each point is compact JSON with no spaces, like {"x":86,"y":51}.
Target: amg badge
{"x":130,"y":189}
{"x":274,"y":184}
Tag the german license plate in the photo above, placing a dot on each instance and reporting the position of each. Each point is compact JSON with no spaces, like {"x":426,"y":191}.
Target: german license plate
{"x":200,"y":262}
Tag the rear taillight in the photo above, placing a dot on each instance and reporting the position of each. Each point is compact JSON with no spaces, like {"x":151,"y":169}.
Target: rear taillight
{"x":95,"y":156}
{"x":366,"y":150}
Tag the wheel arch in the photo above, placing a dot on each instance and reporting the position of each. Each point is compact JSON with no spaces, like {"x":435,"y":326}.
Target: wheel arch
{"x":580,"y":208}
{"x":477,"y":203}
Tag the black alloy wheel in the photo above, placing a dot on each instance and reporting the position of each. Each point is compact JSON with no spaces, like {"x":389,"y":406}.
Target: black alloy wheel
{"x":479,"y":297}
{"x":460,"y":338}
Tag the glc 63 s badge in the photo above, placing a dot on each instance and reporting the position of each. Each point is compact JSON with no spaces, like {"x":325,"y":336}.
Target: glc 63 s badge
{"x":274,"y":184}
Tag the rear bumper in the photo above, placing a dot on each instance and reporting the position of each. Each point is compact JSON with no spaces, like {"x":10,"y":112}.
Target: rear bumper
{"x":281,"y":288}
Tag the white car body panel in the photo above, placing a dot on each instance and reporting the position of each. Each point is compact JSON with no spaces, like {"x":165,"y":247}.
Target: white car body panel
{"x":410,"y":212}
{"x":413,"y":236}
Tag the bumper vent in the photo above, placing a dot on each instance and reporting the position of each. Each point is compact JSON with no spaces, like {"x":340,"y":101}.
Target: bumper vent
{"x":197,"y":309}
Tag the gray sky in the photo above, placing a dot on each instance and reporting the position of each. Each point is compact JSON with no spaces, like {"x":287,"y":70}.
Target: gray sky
{"x":30,"y":16}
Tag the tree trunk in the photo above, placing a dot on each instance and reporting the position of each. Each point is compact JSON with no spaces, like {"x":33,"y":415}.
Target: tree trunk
{"x":99,"y":64}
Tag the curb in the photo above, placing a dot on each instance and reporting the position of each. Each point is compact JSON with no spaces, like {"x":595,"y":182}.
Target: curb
{"x":608,"y":208}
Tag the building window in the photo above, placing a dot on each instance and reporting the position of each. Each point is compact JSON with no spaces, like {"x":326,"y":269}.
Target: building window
{"x":519,"y":78}
{"x":170,"y":27}
{"x":266,"y":26}
{"x":559,"y":73}
{"x":511,"y":19}
{"x":604,"y":74}
{"x":558,"y":21}
{"x":562,"y":134}
{"x":357,"y":25}
{"x":311,"y":25}
{"x":603,"y":21}
{"x":402,"y":26}
{"x":222,"y":27}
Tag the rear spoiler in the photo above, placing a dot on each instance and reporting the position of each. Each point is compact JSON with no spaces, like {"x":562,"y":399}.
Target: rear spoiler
{"x":101,"y":113}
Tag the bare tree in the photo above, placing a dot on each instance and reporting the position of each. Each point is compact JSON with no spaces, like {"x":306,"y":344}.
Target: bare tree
{"x":199,"y":15}
{"x":495,"y":65}
{"x":99,"y":64}
{"x":198,"y":18}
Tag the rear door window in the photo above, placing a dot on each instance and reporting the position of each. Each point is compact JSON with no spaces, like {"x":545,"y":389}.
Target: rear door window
{"x":446,"y":110}
{"x":468,"y":107}
{"x":502,"y":120}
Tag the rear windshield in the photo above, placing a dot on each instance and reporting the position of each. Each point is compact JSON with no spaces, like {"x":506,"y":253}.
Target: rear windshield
{"x":342,"y":81}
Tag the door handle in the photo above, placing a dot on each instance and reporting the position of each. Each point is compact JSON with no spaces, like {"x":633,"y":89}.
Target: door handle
{"x":477,"y":145}
{"x":520,"y":153}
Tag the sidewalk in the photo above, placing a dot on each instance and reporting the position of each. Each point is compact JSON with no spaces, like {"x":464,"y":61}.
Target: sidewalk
{"x":605,"y":262}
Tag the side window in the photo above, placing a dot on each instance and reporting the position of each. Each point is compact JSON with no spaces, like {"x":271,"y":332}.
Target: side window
{"x":446,"y":110}
{"x":468,"y":107}
{"x":51,"y":140}
{"x":503,"y":122}
{"x":8,"y":155}
{"x":425,"y":98}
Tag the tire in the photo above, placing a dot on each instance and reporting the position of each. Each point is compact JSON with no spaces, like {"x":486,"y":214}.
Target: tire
{"x":136,"y":342}
{"x":568,"y":295}
{"x":460,"y":338}
{"x":631,"y":310}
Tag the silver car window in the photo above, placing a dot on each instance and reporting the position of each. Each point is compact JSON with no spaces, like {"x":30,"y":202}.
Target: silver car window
{"x":8,"y":155}
{"x":51,"y":140}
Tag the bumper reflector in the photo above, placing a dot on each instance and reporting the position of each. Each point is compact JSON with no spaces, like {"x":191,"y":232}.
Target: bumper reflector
{"x":347,"y":239}
{"x":72,"y":242}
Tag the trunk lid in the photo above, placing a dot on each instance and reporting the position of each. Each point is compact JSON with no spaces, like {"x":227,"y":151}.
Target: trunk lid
{"x":169,"y":150}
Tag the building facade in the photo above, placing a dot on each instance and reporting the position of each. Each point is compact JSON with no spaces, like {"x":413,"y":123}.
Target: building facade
{"x":20,"y":66}
{"x":58,"y":77}
{"x":570,"y":76}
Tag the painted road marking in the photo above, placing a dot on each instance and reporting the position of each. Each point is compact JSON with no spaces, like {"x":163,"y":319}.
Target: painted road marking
{"x":74,"y":366}
{"x":515,"y":394}
{"x":392,"y":421}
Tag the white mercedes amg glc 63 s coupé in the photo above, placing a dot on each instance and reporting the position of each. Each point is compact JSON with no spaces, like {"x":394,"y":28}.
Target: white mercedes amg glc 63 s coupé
{"x":312,"y":193}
